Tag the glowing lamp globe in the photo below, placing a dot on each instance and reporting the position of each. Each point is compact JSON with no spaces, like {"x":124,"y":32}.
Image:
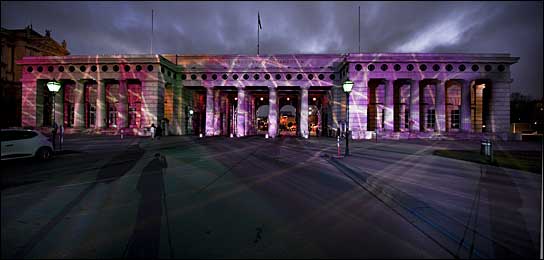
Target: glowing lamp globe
{"x":347,"y":86}
{"x":53,"y":86}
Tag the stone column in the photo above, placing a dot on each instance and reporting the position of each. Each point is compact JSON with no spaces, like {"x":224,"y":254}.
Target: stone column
{"x":440,"y":106}
{"x":217,"y":112}
{"x":178,"y":118}
{"x":272,"y":112}
{"x":79,"y":104}
{"x":152,"y":102}
{"x":122,"y":105}
{"x":241,"y":112}
{"x":101,"y":104}
{"x":500,"y":107}
{"x":465,"y":106}
{"x":28,"y":105}
{"x":414,"y":106}
{"x":209,"y":111}
{"x":389,"y":89}
{"x":304,"y":111}
{"x":358,"y":108}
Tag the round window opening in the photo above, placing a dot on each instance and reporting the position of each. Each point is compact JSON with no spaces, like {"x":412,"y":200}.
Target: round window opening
{"x":358,"y":67}
{"x":311,"y":76}
{"x":321,"y":76}
{"x":278,"y":76}
{"x":183,"y":77}
{"x":40,"y":68}
{"x":384,"y":67}
{"x":115,"y":68}
{"x":256,"y":76}
{"x":501,"y":68}
{"x":423,"y":67}
{"x":449,"y":67}
{"x":72,"y":68}
{"x":149,"y":67}
{"x":29,"y":69}
{"x":104,"y":68}
{"x":82,"y":68}
{"x":214,"y":76}
{"x":462,"y":67}
{"x":299,"y":76}
{"x":138,"y":67}
{"x":193,"y":77}
{"x":204,"y":76}
{"x":475,"y":67}
{"x":371,"y":67}
{"x":246,"y":77}
{"x":225,"y":77}
{"x":488,"y":67}
{"x":410,"y":67}
{"x":267,"y":76}
{"x":397,"y":67}
{"x":332,"y":76}
{"x":288,"y":76}
{"x":436,"y":67}
{"x":50,"y":68}
{"x":127,"y":68}
{"x":235,"y":76}
{"x":61,"y":68}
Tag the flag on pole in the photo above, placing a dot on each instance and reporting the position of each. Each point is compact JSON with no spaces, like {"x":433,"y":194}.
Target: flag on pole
{"x":259,"y":18}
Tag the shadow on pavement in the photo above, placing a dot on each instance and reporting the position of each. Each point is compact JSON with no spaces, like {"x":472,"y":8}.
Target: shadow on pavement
{"x":145,"y":239}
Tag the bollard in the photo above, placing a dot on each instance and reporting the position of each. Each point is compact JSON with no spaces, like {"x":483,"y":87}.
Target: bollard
{"x":338,"y":144}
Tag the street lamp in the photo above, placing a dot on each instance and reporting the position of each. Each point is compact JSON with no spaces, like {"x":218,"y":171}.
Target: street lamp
{"x":347,"y":86}
{"x":53,"y":87}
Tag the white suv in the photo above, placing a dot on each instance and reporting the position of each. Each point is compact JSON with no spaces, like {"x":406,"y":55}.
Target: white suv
{"x":22,"y":143}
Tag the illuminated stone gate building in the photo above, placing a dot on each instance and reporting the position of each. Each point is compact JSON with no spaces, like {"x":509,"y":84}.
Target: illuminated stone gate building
{"x":395,"y":95}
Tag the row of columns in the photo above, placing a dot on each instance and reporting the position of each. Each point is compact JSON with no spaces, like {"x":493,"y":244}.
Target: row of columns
{"x":359,"y":97}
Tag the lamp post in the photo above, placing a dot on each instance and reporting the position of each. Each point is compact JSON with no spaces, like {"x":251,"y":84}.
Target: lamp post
{"x":53,"y":87}
{"x":347,"y":86}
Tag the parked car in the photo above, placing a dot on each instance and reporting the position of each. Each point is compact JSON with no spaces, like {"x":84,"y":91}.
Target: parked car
{"x":24,"y":143}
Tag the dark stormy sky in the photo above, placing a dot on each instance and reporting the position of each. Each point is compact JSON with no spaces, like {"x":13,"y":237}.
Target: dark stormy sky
{"x":295,"y":27}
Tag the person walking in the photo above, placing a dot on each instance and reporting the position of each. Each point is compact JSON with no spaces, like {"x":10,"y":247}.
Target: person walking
{"x":158,"y":134}
{"x":153,"y":130}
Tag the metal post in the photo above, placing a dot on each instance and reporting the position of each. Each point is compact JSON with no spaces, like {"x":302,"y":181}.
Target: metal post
{"x":54,"y":120}
{"x":347,"y":124}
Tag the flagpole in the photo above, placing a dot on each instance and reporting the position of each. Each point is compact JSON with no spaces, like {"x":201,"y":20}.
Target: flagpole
{"x":258,"y":40}
{"x":151,"y":50}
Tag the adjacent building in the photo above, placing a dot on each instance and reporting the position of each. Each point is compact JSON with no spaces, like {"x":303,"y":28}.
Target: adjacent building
{"x":17,"y":44}
{"x":395,"y":95}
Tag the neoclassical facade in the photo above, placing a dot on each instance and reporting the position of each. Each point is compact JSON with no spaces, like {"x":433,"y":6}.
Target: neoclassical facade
{"x":395,"y":95}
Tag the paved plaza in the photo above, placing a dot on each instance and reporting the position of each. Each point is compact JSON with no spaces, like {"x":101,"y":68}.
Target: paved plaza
{"x":220,"y":197}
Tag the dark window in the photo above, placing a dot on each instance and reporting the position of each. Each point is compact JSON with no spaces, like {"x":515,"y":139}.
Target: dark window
{"x":246,"y":77}
{"x":104,"y":68}
{"x":455,"y":119}
{"x":267,"y":76}
{"x":93,"y":68}
{"x":16,"y":135}
{"x":384,"y":67}
{"x":81,"y":68}
{"x":288,"y":76}
{"x":311,"y":76}
{"x":299,"y":76}
{"x":332,"y":76}
{"x":193,"y":76}
{"x":278,"y":76}
{"x":462,"y":67}
{"x":487,"y":67}
{"x":127,"y":68}
{"x":358,"y":67}
{"x":430,"y":118}
{"x":40,"y":68}
{"x":225,"y":77}
{"x":410,"y":67}
{"x":72,"y":68}
{"x":214,"y":76}
{"x":449,"y":67}
{"x":256,"y":76}
{"x":423,"y":67}
{"x":235,"y":76}
{"x":61,"y":68}
{"x":501,"y":68}
{"x":29,"y":69}
{"x":138,"y":67}
{"x":371,"y":67}
{"x":204,"y":76}
{"x":397,"y":67}
{"x":321,"y":76}
{"x":436,"y":67}
{"x":115,"y":68}
{"x":50,"y":68}
{"x":149,"y":67}
{"x":183,"y":77}
{"x":475,"y":67}
{"x":407,"y":117}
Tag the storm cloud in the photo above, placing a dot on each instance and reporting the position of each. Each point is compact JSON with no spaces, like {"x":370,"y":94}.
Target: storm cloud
{"x":295,"y":27}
